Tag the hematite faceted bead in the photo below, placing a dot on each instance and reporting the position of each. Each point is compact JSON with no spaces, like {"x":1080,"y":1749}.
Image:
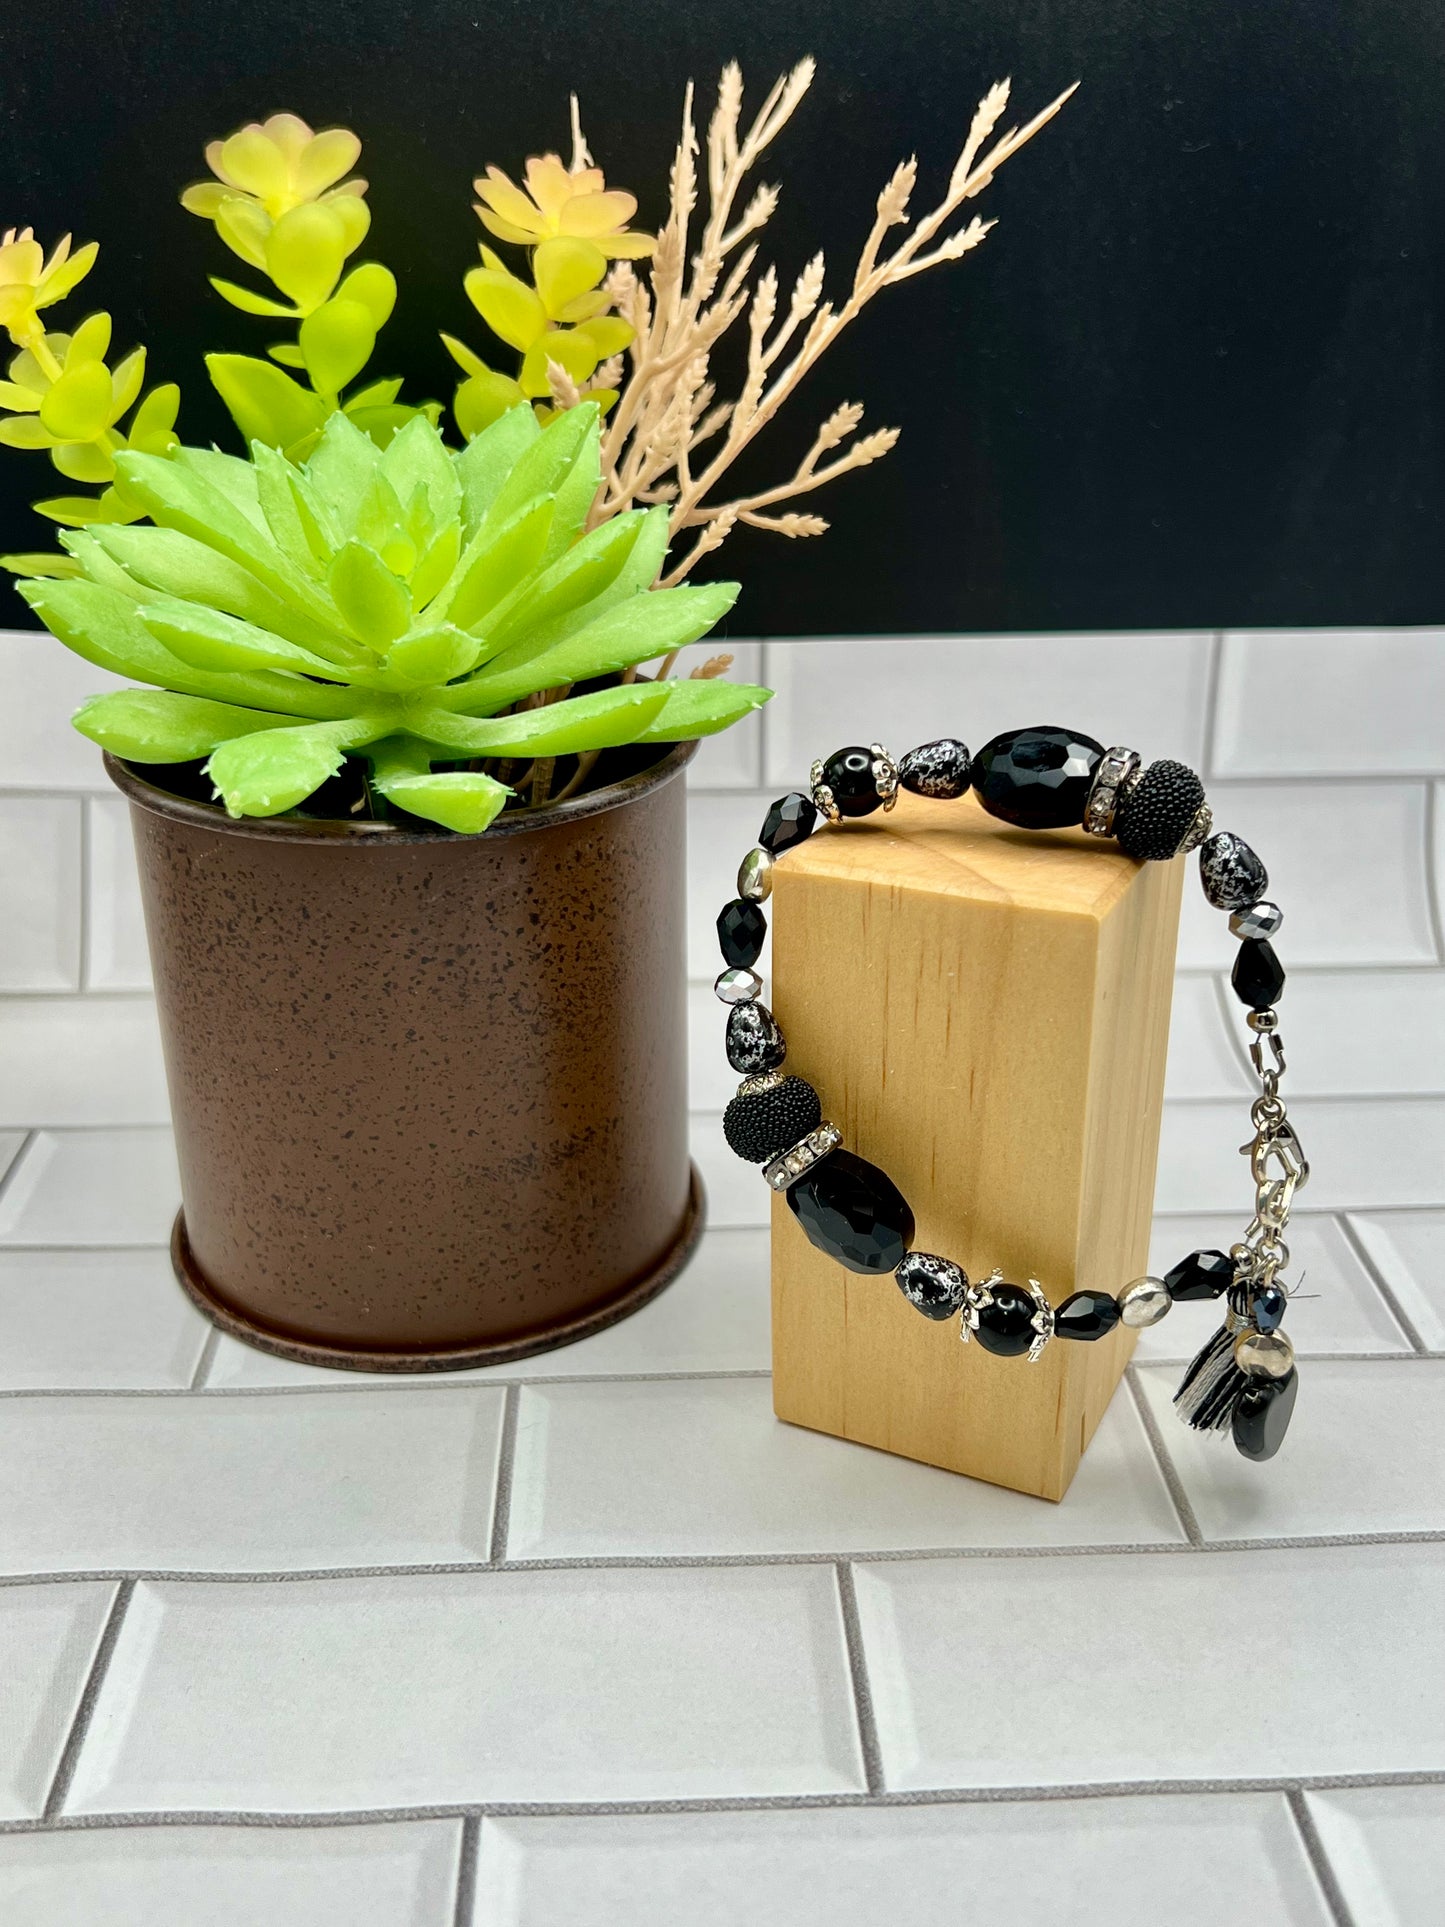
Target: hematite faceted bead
{"x":759,"y":1124}
{"x":1203,"y":1274}
{"x":1258,"y":974}
{"x":935,"y":1286}
{"x":1262,"y":1414}
{"x":741,"y":928}
{"x":1088,"y":1314}
{"x":1268,"y":1306}
{"x":848,"y":773}
{"x":737,"y":985}
{"x":939,"y":770}
{"x":789,"y":821}
{"x":1257,"y":920}
{"x":1158,"y":813}
{"x":754,"y":1042}
{"x":1232,"y":875}
{"x":1006,"y":1327}
{"x":1037,"y":778}
{"x":854,"y":1212}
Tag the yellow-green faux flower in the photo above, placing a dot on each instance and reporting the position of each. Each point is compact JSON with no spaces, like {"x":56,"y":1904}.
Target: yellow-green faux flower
{"x":29,"y":282}
{"x":558,"y":203}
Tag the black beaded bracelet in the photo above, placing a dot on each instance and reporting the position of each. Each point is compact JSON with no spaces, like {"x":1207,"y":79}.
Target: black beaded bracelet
{"x":1245,"y":1377}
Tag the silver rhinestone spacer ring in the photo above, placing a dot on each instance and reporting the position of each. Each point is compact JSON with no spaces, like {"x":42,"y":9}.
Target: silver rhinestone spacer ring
{"x":790,"y":1165}
{"x":1042,"y":1321}
{"x":764,"y":1081}
{"x":885,"y":775}
{"x":1118,"y":772}
{"x":822,"y":796}
{"x":1201,"y":826}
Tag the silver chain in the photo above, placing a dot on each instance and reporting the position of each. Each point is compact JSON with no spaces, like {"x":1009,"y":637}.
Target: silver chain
{"x":1277,"y":1162}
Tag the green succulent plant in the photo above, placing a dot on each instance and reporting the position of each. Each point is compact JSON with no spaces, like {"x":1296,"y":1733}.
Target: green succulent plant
{"x":422,"y":608}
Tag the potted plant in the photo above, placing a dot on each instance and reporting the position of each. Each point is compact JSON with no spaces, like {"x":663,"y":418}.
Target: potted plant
{"x":404,"y":768}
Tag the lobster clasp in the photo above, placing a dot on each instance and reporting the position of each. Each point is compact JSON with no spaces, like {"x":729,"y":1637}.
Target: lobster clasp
{"x":1278,"y":1166}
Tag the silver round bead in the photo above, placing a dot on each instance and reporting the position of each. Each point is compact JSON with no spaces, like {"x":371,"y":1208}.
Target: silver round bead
{"x":755,"y":875}
{"x":1264,"y":1354}
{"x":739,"y":986}
{"x":1144,"y":1302}
{"x":1259,"y":920}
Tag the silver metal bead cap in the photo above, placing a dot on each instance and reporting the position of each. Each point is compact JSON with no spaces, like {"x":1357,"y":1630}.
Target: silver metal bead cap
{"x":1119,"y":770}
{"x":755,"y":875}
{"x":1042,"y":1321}
{"x":1144,"y":1302}
{"x":796,"y":1162}
{"x":764,"y":1081}
{"x":885,"y":775}
{"x":738,"y":986}
{"x":1259,"y":920}
{"x":821,"y":794}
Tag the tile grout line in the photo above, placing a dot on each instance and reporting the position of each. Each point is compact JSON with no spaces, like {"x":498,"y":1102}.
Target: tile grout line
{"x":1382,"y":1285}
{"x":80,"y":1724}
{"x":1237,"y":1047}
{"x":464,"y":1911}
{"x":1213,"y":676}
{"x":7,"y":1176}
{"x":865,"y":1721}
{"x":1168,"y":1471}
{"x":1317,"y":1856}
{"x":86,"y":860}
{"x":206,"y":1359}
{"x":1434,"y":808}
{"x":506,"y":1465}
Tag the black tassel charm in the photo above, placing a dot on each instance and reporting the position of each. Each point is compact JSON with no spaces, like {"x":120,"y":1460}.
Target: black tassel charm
{"x":1210,"y":1389}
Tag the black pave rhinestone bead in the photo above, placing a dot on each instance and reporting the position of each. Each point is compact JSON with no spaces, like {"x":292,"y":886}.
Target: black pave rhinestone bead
{"x":789,"y":821}
{"x":1037,"y":778}
{"x":1258,"y":974}
{"x":939,"y":770}
{"x":854,"y":1212}
{"x":1203,"y":1274}
{"x":1159,"y":812}
{"x":741,"y":928}
{"x":1262,"y":1414}
{"x":1267,"y":1307}
{"x":1006,"y":1327}
{"x":754,"y":1042}
{"x":849,"y":775}
{"x":1232,"y":875}
{"x":935,"y":1286}
{"x":759,"y":1124}
{"x":1088,"y":1314}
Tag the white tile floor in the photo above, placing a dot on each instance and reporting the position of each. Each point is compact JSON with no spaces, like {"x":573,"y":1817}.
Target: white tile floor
{"x":591,"y":1638}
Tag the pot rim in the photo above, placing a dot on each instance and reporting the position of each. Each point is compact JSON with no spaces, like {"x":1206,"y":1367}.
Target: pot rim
{"x":211,"y":816}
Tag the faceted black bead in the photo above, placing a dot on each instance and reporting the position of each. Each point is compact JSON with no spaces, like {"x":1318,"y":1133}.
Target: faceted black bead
{"x":754,"y":1042}
{"x":1258,"y":974}
{"x":1267,"y":1307}
{"x":759,"y":1124}
{"x":939,"y":770}
{"x":1232,"y":875}
{"x":849,"y":775}
{"x":1203,"y":1274}
{"x":1037,"y":778}
{"x":935,"y":1286}
{"x":741,"y":928}
{"x":1158,"y":813}
{"x":854,"y":1212}
{"x":789,"y":821}
{"x":1088,"y":1314}
{"x":1006,"y":1326}
{"x":1262,"y":1414}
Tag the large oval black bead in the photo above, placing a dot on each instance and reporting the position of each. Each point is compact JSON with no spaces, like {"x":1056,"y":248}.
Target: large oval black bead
{"x":789,"y":821}
{"x":1006,"y":1327}
{"x":759,"y":1124}
{"x":1258,"y":974}
{"x":754,"y":1041}
{"x":1037,"y":778}
{"x":849,"y":775}
{"x":1203,"y":1274}
{"x":939,"y":770}
{"x":741,"y":928}
{"x":854,"y":1212}
{"x":1088,"y":1314}
{"x":1262,"y":1414}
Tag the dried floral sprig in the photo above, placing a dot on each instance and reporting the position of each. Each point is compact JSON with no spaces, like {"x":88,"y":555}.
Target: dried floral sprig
{"x":668,"y":438}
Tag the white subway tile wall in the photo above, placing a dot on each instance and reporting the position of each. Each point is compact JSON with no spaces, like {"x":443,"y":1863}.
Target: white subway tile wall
{"x":592,"y":1636}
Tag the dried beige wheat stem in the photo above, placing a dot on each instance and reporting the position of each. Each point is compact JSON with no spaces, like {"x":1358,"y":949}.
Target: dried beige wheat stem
{"x":697,"y":286}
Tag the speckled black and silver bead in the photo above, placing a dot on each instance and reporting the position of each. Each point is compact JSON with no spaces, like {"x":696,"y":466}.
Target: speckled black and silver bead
{"x":935,"y":1286}
{"x":937,"y":770}
{"x":1154,"y":819}
{"x":1232,"y":875}
{"x":760,"y":1123}
{"x":754,"y":1042}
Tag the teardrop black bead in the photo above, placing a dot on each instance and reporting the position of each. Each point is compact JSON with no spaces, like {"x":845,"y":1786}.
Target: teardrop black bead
{"x":1262,"y":1414}
{"x":849,"y":775}
{"x":1258,"y":974}
{"x":1268,"y":1306}
{"x":854,"y":1212}
{"x":1037,"y":778}
{"x":1203,"y":1274}
{"x":789,"y":821}
{"x":741,"y":928}
{"x":1006,"y":1327}
{"x":1088,"y":1314}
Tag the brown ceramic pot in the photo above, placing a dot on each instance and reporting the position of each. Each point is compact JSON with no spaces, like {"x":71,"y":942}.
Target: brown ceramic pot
{"x":429,"y":1091}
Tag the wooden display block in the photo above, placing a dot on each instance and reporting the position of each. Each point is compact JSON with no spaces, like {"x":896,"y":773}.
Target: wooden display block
{"x":984,"y":1012}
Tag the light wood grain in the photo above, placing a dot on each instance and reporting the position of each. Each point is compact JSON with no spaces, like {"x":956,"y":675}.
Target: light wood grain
{"x":985,"y":1013}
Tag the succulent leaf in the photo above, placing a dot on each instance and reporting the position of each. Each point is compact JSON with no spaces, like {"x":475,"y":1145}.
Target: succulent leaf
{"x":157,"y":726}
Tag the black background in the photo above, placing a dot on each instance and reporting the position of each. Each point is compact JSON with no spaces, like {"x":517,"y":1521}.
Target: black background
{"x":1192,"y":379}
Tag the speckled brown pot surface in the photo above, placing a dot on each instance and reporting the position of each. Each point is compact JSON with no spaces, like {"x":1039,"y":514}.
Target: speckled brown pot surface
{"x":429,"y":1091}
